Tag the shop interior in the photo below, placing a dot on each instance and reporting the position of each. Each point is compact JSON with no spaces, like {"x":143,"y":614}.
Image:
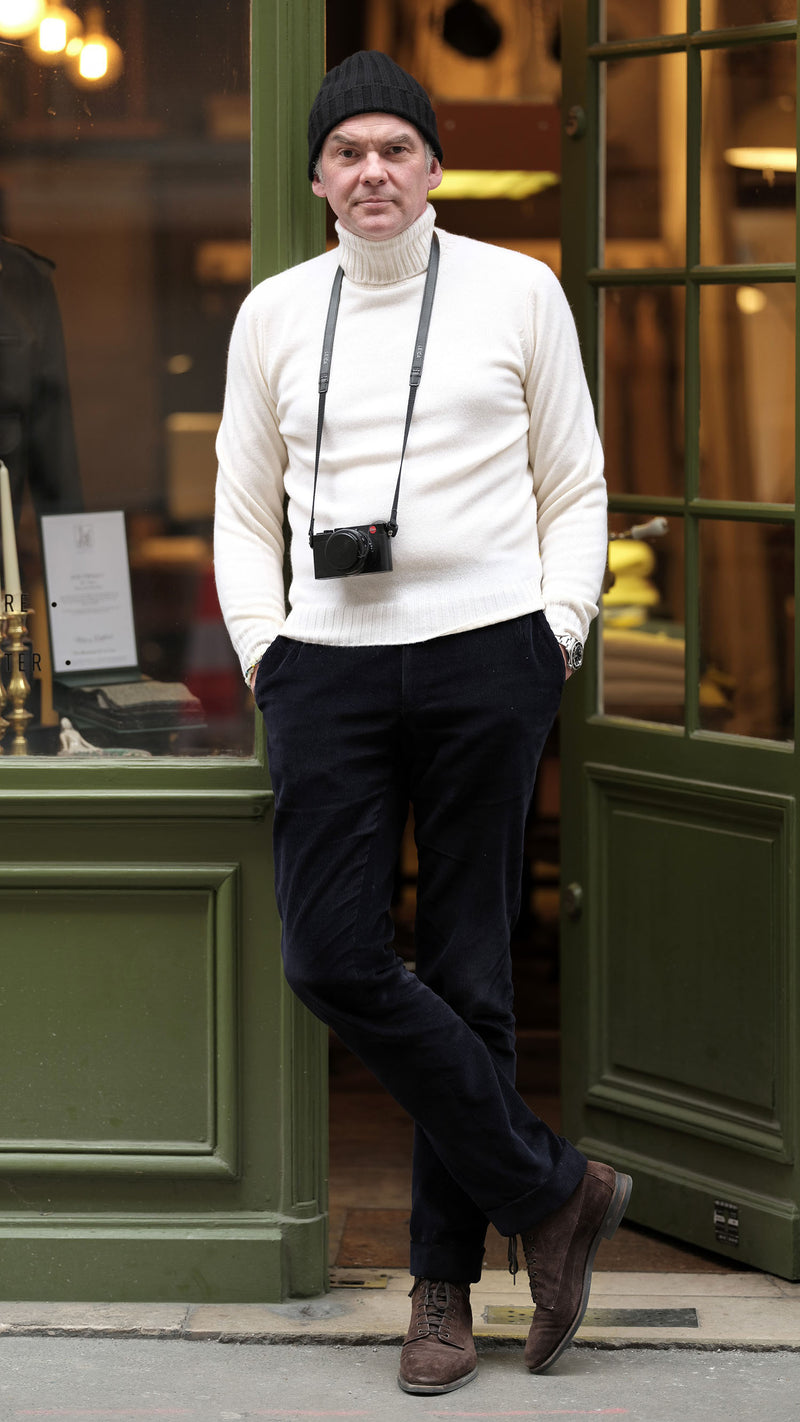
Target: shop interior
{"x":130,"y":185}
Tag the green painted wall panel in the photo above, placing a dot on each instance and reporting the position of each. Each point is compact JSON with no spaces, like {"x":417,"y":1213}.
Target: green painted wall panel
{"x":120,"y":1263}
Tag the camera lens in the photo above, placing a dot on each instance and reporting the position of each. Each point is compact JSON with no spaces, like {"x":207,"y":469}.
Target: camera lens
{"x":346,"y":551}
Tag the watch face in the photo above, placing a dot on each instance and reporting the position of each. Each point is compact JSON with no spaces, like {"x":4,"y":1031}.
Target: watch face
{"x":576,"y":656}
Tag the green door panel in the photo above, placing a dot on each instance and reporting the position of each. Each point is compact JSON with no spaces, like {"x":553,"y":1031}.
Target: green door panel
{"x":691,"y":1033}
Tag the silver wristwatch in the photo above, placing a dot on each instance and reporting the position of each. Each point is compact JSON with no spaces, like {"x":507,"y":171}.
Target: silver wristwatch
{"x":573,"y":649}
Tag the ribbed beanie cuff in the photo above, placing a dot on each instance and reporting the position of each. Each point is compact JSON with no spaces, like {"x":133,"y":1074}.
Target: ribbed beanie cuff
{"x":366,"y":83}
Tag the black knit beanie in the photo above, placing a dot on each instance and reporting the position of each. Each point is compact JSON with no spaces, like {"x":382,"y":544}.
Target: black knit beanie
{"x":369,"y":83}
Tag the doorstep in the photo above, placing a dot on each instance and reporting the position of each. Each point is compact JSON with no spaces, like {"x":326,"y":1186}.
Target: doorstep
{"x":709,"y":1311}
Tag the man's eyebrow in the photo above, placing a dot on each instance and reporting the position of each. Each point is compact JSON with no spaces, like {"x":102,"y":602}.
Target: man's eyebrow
{"x":341,"y":136}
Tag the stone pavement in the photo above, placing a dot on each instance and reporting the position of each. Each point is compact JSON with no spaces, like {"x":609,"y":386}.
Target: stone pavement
{"x":742,"y":1309}
{"x":654,"y":1348}
{"x":170,"y":1380}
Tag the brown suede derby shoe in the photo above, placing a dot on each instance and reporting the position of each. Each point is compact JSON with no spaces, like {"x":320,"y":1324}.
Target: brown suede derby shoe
{"x":559,"y":1253}
{"x":438,"y":1354}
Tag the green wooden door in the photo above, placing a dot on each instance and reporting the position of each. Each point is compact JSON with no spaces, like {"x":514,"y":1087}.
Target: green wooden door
{"x":679,"y":939}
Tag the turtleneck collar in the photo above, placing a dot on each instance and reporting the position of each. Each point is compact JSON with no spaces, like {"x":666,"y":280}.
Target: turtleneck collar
{"x":397,"y":258}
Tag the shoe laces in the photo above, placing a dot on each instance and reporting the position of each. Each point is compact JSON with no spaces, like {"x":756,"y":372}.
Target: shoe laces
{"x":529,"y":1251}
{"x":434,"y":1306}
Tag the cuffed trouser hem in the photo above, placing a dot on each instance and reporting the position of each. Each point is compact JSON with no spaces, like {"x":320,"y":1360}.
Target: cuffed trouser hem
{"x":529,"y":1209}
{"x":446,"y":1261}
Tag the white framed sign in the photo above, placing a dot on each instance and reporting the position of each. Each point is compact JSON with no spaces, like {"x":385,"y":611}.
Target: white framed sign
{"x":88,"y":592}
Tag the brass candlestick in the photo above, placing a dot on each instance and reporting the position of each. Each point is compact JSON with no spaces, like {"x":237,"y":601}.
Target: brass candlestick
{"x":18,"y":685}
{"x":3,"y":696}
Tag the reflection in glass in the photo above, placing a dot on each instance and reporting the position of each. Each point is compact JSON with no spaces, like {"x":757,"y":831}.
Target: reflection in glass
{"x":749,"y":156}
{"x":645,"y":162}
{"x":643,"y":636}
{"x":620,"y":20}
{"x":642,"y":410}
{"x":747,"y":628}
{"x":719,"y":14}
{"x":135,"y":201}
{"x":747,"y":383}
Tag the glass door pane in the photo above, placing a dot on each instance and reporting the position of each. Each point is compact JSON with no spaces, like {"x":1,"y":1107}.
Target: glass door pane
{"x":747,"y":629}
{"x":718,"y":14}
{"x":645,"y":162}
{"x":643,"y":624}
{"x":621,"y":20}
{"x":747,"y":384}
{"x":749,"y":155}
{"x":643,"y":337}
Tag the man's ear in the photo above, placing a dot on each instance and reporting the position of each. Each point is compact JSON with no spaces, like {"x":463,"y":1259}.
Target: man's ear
{"x":435,"y":175}
{"x":318,"y":187}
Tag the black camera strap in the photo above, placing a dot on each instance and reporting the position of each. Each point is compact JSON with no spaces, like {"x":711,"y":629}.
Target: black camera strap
{"x":414,"y":379}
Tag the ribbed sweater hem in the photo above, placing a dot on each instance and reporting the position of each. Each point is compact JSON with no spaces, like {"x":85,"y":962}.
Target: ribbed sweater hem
{"x":412,"y":618}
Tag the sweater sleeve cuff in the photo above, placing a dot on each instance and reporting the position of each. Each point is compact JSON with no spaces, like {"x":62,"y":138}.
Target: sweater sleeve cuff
{"x":564,"y":620}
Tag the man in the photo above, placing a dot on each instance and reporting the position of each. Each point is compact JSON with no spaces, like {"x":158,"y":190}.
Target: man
{"x":441,"y":590}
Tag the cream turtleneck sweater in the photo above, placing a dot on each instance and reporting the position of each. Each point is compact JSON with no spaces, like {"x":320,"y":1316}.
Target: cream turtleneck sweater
{"x":502,"y":503}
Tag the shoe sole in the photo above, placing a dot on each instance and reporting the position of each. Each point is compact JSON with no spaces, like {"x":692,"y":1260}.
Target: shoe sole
{"x":429,"y":1389}
{"x":608,"y":1228}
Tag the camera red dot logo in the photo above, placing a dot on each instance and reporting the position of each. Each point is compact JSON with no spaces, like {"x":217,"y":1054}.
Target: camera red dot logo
{"x":372,"y":528}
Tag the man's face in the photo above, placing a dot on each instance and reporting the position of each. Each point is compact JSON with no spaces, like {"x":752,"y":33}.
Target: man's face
{"x":375,"y":175}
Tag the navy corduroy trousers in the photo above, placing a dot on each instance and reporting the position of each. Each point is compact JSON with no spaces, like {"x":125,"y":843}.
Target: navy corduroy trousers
{"x":453,"y":727}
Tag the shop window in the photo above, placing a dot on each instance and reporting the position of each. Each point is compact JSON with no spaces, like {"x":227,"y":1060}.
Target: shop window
{"x":125,"y":220}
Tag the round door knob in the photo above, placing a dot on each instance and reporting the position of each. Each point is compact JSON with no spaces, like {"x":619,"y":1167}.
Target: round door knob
{"x":575,"y":122}
{"x":573,"y":900}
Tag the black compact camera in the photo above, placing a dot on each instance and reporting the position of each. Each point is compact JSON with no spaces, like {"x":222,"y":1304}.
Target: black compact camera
{"x":343,"y":552}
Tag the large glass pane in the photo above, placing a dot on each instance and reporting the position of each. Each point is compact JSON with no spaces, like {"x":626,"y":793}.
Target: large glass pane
{"x":643,"y":622}
{"x":749,"y":155}
{"x":718,"y":14}
{"x":747,"y":629}
{"x":131,"y":198}
{"x":621,"y":20}
{"x":642,"y":409}
{"x":747,"y":383}
{"x":645,"y":158}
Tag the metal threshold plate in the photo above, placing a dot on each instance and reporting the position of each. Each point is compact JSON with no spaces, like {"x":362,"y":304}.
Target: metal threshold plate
{"x":605,"y":1317}
{"x":351,"y":1279}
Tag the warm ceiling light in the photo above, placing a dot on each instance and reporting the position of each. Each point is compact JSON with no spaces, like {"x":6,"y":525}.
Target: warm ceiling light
{"x":766,"y":138}
{"x":19,"y":18}
{"x":99,"y":61}
{"x":58,"y":29}
{"x":488,"y":183}
{"x":763,"y":160}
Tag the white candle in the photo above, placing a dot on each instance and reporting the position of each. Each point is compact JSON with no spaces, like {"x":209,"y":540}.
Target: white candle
{"x":12,"y":584}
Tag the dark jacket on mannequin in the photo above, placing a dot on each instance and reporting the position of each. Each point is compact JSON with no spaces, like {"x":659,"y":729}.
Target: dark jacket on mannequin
{"x":37,"y":441}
